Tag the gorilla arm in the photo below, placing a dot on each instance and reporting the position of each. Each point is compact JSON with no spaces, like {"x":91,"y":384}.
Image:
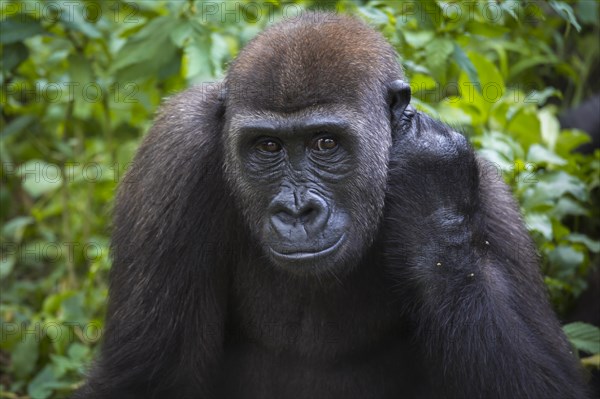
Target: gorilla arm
{"x":168,"y":280}
{"x":470,"y":273}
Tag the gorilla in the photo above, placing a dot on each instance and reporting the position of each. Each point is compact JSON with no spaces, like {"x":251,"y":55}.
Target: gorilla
{"x":586,"y":117}
{"x":301,"y":231}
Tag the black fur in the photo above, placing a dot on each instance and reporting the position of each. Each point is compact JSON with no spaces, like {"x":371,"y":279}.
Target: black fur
{"x":440,"y":296}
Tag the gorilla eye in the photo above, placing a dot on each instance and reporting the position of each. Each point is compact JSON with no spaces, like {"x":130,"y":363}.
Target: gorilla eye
{"x":268,"y":146}
{"x":324,"y":144}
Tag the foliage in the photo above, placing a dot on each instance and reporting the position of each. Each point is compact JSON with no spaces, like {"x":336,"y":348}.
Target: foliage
{"x":82,"y":80}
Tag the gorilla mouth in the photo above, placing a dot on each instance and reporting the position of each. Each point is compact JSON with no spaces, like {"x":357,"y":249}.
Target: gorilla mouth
{"x":304,"y":255}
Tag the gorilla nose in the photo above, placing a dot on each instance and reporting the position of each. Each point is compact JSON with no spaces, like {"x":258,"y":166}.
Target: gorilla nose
{"x":299,"y":217}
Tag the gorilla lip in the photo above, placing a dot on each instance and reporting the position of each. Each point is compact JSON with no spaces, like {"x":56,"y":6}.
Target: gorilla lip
{"x":300,"y":255}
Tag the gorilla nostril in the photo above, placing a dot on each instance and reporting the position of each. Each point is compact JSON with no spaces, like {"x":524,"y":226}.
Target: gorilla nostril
{"x":285,"y":216}
{"x":290,"y":217}
{"x":309,"y":214}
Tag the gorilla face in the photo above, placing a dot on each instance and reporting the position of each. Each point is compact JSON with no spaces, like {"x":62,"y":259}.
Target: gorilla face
{"x":300,"y":184}
{"x":307,"y":133}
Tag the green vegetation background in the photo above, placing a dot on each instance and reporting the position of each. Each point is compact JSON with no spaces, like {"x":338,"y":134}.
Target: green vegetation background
{"x":82,"y":80}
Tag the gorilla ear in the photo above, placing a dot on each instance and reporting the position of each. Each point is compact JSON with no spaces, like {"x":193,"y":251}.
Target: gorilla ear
{"x":398,"y":98}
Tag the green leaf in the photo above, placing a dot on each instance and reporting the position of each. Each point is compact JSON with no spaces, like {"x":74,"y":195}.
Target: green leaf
{"x":501,"y":143}
{"x":18,"y":28}
{"x":485,"y":29}
{"x":452,"y":113}
{"x":181,"y":33}
{"x":61,"y":365}
{"x":565,"y":11}
{"x":498,"y":159}
{"x":374,"y":15}
{"x":549,"y":127}
{"x":418,"y":39}
{"x":540,"y":97}
{"x":80,"y":70}
{"x":25,"y":355}
{"x":421,"y":82}
{"x":551,"y":187}
{"x":501,"y":51}
{"x":567,"y":258}
{"x":13,"y":55}
{"x":542,"y":155}
{"x":509,"y":7}
{"x":540,"y":223}
{"x":74,"y":20}
{"x":592,"y":245}
{"x":40,"y":177}
{"x":567,"y":206}
{"x":197,"y":60}
{"x":437,"y":52}
{"x":15,"y":228}
{"x":7,"y":263}
{"x":490,"y":79}
{"x":525,"y":127}
{"x":73,"y":309}
{"x":587,"y":12}
{"x":570,"y":139}
{"x":41,"y":386}
{"x":558,"y":229}
{"x":78,"y":352}
{"x":218,"y":53}
{"x":461,"y":59}
{"x":561,"y":182}
{"x":530,"y":62}
{"x":149,"y":49}
{"x":583,"y":336}
{"x":479,"y":96}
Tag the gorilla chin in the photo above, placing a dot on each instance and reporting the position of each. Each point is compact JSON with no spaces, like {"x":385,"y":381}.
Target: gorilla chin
{"x":315,"y":258}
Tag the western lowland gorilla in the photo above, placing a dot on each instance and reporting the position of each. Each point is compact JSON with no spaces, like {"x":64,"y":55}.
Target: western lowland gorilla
{"x":586,"y":116}
{"x":301,"y":231}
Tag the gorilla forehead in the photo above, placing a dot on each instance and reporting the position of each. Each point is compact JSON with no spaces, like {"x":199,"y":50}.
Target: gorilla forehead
{"x":343,"y":117}
{"x":312,"y":60}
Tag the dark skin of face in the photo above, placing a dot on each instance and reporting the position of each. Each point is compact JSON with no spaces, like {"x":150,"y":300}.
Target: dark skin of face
{"x":298,"y":169}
